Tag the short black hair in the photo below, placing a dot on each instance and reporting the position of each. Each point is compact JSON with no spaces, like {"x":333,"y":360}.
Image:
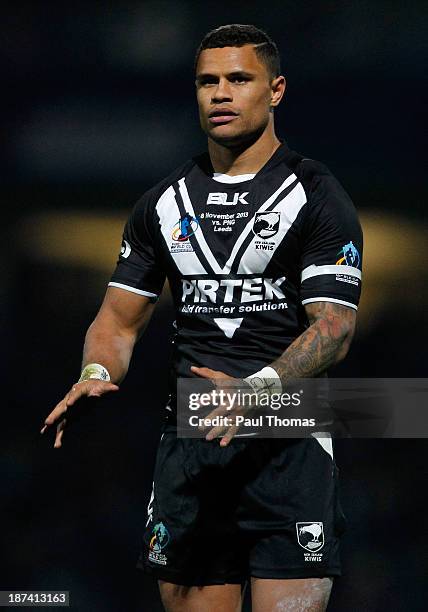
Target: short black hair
{"x":238,"y":35}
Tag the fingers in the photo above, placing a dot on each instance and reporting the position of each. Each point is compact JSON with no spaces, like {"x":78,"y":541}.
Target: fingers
{"x":216,"y":432}
{"x":56,"y":413}
{"x":88,"y":388}
{"x":59,"y":433}
{"x":229,"y":435}
{"x":205,"y":372}
{"x":225,"y":430}
{"x":209,"y":417}
{"x":208,"y":373}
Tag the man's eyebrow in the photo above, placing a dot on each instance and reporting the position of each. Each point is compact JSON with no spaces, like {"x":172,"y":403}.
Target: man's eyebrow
{"x":205,"y":75}
{"x":240,"y":73}
{"x":235,"y":73}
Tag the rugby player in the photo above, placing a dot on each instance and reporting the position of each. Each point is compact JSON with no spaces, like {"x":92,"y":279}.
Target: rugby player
{"x":262,"y":250}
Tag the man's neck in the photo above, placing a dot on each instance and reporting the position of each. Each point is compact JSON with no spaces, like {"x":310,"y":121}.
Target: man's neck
{"x":246,"y":160}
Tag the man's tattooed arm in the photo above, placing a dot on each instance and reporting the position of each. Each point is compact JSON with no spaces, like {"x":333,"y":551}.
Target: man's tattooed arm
{"x":323,"y":344}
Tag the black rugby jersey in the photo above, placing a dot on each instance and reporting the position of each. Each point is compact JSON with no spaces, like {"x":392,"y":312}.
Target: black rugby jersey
{"x":242,"y":259}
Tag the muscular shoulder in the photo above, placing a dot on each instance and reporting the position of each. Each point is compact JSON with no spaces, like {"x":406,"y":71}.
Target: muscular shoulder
{"x":320,"y":185}
{"x":152,"y":195}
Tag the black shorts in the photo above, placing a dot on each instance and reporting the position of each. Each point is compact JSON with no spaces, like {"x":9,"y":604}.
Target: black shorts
{"x":267,"y":508}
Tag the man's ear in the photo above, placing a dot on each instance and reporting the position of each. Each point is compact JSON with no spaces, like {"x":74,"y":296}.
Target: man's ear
{"x":278,"y":86}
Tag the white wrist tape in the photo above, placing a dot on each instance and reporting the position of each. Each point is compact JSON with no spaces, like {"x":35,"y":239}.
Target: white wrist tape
{"x":265,"y":381}
{"x":94,"y":370}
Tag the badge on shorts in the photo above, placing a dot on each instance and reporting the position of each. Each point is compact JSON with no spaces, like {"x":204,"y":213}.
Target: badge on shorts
{"x":310,"y":535}
{"x":158,"y":541}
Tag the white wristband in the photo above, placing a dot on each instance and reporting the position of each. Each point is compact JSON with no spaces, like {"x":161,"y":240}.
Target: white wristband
{"x":94,"y":370}
{"x":265,"y":381}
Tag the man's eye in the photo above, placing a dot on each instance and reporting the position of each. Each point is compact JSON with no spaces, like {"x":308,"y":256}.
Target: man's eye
{"x":239,"y":79}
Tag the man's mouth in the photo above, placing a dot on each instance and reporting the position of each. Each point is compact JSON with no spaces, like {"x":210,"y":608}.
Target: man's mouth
{"x":222,"y":115}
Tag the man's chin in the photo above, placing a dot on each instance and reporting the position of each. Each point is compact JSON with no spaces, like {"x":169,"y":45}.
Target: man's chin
{"x":232,"y":139}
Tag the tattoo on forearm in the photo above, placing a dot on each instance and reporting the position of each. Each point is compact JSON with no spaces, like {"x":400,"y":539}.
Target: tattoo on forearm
{"x":321,"y":345}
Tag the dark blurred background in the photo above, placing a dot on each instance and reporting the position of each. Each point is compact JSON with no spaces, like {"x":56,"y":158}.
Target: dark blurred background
{"x":98,"y":105}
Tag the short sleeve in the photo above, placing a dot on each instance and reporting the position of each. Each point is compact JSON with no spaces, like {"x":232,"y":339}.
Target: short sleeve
{"x":138,"y":268}
{"x":332,"y":245}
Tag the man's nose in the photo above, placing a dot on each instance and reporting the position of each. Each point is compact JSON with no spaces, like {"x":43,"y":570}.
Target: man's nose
{"x":222,"y":92}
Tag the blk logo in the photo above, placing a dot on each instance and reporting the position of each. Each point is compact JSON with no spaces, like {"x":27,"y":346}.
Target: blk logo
{"x":220,"y":198}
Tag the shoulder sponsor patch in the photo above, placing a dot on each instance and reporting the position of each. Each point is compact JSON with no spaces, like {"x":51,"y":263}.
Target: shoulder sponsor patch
{"x":349,"y":256}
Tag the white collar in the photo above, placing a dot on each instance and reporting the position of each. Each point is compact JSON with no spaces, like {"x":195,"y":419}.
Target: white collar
{"x":227,"y":178}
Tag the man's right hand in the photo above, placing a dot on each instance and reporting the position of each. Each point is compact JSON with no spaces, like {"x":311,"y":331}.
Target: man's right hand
{"x":87,"y":388}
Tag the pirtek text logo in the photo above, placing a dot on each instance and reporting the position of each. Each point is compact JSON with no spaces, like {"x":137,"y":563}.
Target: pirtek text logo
{"x":232,"y":289}
{"x":221,"y":198}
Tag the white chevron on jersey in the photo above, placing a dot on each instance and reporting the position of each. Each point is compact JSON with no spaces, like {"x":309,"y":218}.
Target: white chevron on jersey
{"x":255,"y":261}
{"x":324,"y":438}
{"x":198,"y":235}
{"x":248,"y":228}
{"x":228,"y":326}
{"x":169,"y":213}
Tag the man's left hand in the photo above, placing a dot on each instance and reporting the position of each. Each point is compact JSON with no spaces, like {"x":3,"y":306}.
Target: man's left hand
{"x":228,"y":410}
